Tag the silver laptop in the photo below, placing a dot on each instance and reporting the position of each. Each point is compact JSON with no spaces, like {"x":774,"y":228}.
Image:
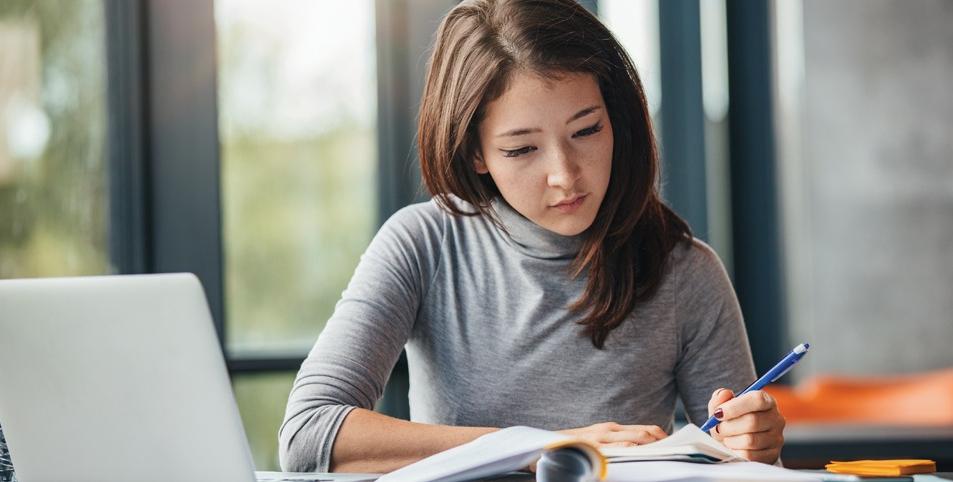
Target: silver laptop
{"x":118,"y":378}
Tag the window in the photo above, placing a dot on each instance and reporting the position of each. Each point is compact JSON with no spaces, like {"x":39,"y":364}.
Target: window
{"x":53,"y":177}
{"x":261,"y":400}
{"x":297,"y":125}
{"x":297,"y":104}
{"x":634,"y":23}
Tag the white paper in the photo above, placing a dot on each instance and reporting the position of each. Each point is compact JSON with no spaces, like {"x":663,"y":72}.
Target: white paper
{"x":265,"y":476}
{"x":691,"y":472}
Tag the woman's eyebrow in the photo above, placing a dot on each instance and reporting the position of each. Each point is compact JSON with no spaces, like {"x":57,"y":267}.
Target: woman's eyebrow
{"x":519,"y":132}
{"x":584,"y":112}
{"x":525,"y":130}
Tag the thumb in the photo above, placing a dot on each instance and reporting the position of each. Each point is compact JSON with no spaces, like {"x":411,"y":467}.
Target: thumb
{"x":720,"y":396}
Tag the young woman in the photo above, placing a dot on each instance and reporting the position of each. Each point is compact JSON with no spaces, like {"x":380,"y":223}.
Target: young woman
{"x":546,"y":284}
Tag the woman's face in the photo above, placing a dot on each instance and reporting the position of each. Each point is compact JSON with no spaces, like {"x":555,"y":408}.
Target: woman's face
{"x":547,"y":144}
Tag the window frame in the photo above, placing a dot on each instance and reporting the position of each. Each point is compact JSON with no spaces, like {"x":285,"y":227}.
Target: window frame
{"x":164,"y":157}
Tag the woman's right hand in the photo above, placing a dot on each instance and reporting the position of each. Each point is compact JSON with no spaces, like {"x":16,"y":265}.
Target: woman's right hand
{"x":611,"y":434}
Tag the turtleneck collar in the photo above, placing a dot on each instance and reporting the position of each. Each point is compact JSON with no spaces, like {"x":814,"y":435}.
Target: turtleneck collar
{"x":531,"y":238}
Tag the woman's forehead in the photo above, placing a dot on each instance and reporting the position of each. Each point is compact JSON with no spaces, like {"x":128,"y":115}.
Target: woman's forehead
{"x":532,"y":97}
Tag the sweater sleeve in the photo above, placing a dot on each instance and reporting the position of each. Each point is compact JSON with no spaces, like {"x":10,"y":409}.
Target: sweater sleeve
{"x":355,"y":353}
{"x":714,"y":351}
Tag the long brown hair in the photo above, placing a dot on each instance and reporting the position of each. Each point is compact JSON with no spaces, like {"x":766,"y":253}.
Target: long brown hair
{"x":478,"y":47}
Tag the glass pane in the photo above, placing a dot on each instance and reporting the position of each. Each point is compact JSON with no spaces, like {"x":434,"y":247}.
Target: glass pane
{"x":53,"y":182}
{"x":261,"y":400}
{"x":297,"y":119}
{"x":635,"y":24}
{"x":714,"y":48}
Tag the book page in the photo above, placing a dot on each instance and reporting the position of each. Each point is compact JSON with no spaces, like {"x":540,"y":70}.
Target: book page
{"x":510,"y":449}
{"x":689,"y":440}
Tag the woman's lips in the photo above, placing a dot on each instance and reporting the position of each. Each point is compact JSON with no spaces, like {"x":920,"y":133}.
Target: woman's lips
{"x":572,"y":205}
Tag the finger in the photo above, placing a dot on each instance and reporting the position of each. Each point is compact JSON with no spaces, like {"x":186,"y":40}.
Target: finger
{"x":768,"y":456}
{"x":638,"y":436}
{"x":654,"y":430}
{"x":657,"y":432}
{"x":719,"y":397}
{"x":755,"y":401}
{"x":751,"y":422}
{"x":754,"y":441}
{"x":619,"y":444}
{"x":610,"y":426}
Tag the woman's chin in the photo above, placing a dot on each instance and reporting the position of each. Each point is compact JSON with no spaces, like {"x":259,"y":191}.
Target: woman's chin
{"x":568,"y":226}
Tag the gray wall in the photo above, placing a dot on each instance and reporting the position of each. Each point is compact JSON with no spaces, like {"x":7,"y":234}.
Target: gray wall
{"x":868,"y":181}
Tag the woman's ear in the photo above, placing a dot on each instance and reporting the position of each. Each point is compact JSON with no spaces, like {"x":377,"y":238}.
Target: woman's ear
{"x":478,"y":165}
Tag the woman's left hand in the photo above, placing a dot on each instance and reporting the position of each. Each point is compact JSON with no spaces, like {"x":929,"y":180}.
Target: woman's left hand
{"x":751,"y":424}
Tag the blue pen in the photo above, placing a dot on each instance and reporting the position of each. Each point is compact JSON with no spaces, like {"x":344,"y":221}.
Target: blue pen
{"x":773,"y":374}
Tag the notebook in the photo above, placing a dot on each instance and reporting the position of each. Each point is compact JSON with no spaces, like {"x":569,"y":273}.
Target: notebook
{"x":689,"y":444}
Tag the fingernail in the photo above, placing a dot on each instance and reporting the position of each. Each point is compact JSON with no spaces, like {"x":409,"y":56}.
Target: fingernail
{"x":719,"y":414}
{"x":717,"y":392}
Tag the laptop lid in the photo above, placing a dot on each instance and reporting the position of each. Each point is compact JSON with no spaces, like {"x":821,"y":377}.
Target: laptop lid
{"x":116,"y":378}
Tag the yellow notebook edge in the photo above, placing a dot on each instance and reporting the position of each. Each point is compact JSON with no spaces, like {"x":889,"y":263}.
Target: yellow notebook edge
{"x":595,"y":456}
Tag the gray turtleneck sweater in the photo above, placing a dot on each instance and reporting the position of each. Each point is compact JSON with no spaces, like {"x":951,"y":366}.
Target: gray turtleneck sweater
{"x":483,"y":316}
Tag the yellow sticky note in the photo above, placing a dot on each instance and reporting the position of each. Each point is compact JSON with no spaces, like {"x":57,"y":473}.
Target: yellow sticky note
{"x":883,"y":467}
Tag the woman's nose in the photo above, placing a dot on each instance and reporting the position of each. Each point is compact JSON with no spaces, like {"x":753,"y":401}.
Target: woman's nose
{"x":564,"y":171}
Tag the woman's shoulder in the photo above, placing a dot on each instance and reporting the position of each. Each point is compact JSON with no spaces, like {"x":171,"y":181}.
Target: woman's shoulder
{"x":419,"y":212}
{"x":426,"y":215}
{"x":694,"y":263}
{"x":428,"y":220}
{"x":414,"y":224}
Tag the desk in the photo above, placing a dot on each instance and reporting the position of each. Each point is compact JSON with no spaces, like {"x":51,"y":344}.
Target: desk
{"x":530,"y":478}
{"x":338,"y":477}
{"x":812,"y":446}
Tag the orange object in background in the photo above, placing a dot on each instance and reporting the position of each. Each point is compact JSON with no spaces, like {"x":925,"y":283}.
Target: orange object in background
{"x":923,"y":399}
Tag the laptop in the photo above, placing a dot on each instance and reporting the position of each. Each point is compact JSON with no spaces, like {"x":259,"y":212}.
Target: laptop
{"x":120,"y":378}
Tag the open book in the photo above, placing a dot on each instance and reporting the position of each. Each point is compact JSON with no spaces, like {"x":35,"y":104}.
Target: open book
{"x":689,"y":444}
{"x":497,"y":453}
{"x":515,"y":448}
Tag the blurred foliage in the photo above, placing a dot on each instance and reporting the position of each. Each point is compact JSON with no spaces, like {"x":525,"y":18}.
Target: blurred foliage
{"x":298,"y":187}
{"x":297,"y":217}
{"x":262,"y":400}
{"x":53,"y":207}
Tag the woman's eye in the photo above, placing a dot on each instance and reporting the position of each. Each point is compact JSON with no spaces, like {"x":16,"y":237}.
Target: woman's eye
{"x":518,"y":152}
{"x":588,"y":131}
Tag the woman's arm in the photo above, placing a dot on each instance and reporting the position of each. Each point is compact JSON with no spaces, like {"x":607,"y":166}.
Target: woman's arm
{"x":713,"y":345}
{"x":373,"y":443}
{"x":350,"y":362}
{"x":716,"y":359}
